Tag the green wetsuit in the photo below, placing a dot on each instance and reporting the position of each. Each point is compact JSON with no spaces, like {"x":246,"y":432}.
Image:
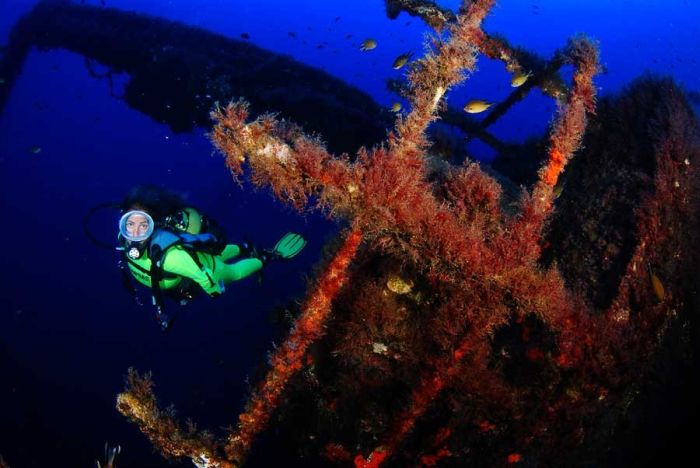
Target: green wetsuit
{"x":178,"y":263}
{"x":213,"y":274}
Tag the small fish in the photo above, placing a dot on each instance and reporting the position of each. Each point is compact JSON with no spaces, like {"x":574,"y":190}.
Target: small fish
{"x":558,"y":189}
{"x":337,"y":18}
{"x":476,"y":106}
{"x":656,"y":285}
{"x":519,"y":79}
{"x":395,"y":107}
{"x":401,"y":60}
{"x":245,"y":36}
{"x":368,"y":44}
{"x":292,"y":34}
{"x":2,"y":80}
{"x":110,"y":455}
{"x":348,"y":36}
{"x":35,"y":149}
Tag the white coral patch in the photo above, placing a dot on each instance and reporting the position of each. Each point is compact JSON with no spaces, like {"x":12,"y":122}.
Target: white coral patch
{"x":379,"y":348}
{"x":275,"y":150}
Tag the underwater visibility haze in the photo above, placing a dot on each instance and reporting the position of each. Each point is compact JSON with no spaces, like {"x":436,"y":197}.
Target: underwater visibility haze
{"x":414,"y":233}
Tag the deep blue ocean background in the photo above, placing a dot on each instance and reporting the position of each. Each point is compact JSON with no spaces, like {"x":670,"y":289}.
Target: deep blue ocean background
{"x":69,"y":330}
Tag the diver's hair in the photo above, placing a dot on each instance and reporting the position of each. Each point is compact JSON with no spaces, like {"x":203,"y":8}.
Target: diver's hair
{"x":157,"y":201}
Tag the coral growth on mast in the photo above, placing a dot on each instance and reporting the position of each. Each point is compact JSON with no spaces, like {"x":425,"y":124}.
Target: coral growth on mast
{"x":442,"y":328}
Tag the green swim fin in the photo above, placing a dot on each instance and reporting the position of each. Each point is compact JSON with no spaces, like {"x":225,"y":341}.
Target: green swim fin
{"x":289,"y":245}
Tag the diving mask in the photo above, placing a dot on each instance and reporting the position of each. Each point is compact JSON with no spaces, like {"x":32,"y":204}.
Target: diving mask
{"x":135,"y":227}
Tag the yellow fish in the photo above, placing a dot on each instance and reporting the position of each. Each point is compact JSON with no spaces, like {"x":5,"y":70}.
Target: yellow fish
{"x":395,"y":107}
{"x":658,"y":287}
{"x":368,"y":44}
{"x":519,"y":79}
{"x":476,"y":106}
{"x":401,"y":60}
{"x":558,"y":189}
{"x":656,"y":284}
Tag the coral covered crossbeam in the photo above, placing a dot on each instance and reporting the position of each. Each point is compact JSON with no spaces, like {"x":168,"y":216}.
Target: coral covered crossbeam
{"x":435,"y":73}
{"x":564,"y":140}
{"x":421,"y":398}
{"x":570,"y":126}
{"x":138,"y":403}
{"x":288,"y":359}
{"x":294,"y":165}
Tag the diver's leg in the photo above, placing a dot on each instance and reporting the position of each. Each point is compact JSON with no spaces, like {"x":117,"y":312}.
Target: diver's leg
{"x":229,"y":252}
{"x":235,"y":271}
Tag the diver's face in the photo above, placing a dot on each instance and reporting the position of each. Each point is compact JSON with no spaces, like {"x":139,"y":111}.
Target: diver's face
{"x":136,"y":225}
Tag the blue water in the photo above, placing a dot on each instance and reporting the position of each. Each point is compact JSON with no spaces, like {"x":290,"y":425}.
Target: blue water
{"x":69,"y":331}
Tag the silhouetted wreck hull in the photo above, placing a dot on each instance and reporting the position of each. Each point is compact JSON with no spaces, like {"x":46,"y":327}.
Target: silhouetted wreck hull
{"x":177,"y":72}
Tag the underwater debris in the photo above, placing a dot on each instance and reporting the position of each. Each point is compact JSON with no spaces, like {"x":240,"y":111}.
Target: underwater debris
{"x":138,"y":403}
{"x":433,"y":14}
{"x":147,"y":49}
{"x":480,"y":270}
{"x":398,"y":285}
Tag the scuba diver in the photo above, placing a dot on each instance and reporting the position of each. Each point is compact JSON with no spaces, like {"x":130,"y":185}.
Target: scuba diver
{"x":171,"y":248}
